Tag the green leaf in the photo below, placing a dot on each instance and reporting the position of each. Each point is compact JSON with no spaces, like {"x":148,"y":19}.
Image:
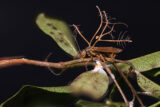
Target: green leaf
{"x":32,"y":96}
{"x":84,"y":103}
{"x":157,"y":73}
{"x":59,"y":31}
{"x":144,"y":63}
{"x":90,"y":84}
{"x":153,"y":73}
{"x":156,"y":104}
{"x":148,"y":86}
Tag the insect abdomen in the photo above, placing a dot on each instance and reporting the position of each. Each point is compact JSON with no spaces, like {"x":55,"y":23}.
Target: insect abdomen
{"x":107,"y":49}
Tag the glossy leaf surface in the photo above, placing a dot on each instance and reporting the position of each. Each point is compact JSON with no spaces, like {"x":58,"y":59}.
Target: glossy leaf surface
{"x":90,"y":84}
{"x":32,"y":96}
{"x":148,"y":86}
{"x":144,"y":63}
{"x":59,"y":31}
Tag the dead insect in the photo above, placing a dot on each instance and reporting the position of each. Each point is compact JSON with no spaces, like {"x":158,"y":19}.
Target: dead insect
{"x":91,"y":50}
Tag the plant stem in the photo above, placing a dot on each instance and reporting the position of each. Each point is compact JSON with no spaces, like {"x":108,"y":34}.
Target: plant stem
{"x":116,"y":83}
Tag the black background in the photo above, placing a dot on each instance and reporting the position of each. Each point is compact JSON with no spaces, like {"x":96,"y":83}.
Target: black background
{"x":20,"y":36}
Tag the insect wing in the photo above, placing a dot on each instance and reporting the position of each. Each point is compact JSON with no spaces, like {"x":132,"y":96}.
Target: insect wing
{"x":59,"y":31}
{"x":107,"y":49}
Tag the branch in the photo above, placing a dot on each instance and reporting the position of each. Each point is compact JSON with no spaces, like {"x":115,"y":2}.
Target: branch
{"x":60,"y":65}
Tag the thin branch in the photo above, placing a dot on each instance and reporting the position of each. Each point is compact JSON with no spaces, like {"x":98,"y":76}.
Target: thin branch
{"x":116,"y":83}
{"x":59,"y":65}
{"x":130,"y":85}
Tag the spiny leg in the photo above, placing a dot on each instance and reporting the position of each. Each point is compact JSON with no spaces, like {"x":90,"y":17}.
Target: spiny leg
{"x":102,"y":58}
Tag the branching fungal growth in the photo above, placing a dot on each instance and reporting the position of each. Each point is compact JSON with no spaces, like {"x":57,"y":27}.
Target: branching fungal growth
{"x":91,"y":50}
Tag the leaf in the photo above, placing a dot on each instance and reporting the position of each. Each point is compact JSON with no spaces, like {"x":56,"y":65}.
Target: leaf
{"x":59,"y":31}
{"x":148,"y":86}
{"x":84,"y":103}
{"x":153,"y":73}
{"x":157,"y":74}
{"x":32,"y":96}
{"x":156,"y":104}
{"x":93,"y":84}
{"x":90,"y":84}
{"x":144,"y":63}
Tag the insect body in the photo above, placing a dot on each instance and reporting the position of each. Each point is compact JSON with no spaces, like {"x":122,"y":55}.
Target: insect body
{"x":96,"y":51}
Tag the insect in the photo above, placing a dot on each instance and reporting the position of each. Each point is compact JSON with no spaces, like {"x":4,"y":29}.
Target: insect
{"x":91,"y":50}
{"x":61,"y":33}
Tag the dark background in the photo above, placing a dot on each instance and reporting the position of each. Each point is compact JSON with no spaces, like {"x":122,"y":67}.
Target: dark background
{"x":20,"y":36}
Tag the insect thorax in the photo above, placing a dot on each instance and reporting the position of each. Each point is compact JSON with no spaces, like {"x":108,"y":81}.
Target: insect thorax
{"x":88,"y":51}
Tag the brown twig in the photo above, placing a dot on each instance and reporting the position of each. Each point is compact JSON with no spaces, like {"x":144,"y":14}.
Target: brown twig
{"x":70,"y":64}
{"x":129,"y":84}
{"x":59,"y":65}
{"x":116,"y":83}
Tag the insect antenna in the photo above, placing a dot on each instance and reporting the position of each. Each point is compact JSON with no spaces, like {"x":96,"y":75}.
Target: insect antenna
{"x":101,"y":23}
{"x":76,"y":28}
